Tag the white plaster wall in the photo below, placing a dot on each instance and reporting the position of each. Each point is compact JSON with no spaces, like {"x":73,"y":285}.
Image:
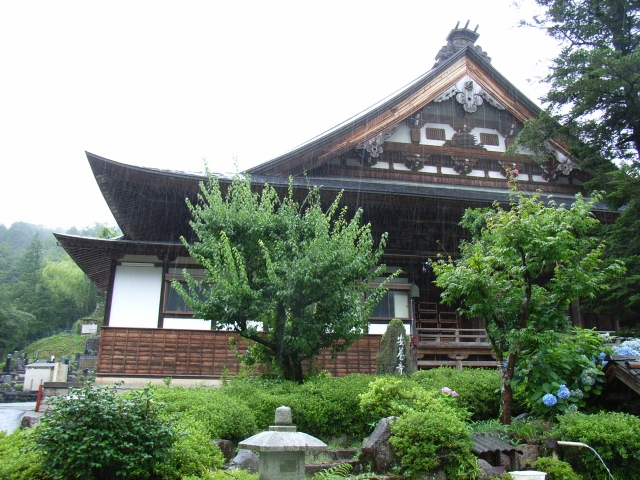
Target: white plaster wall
{"x":381,"y":328}
{"x":136,"y":297}
{"x":187,"y":323}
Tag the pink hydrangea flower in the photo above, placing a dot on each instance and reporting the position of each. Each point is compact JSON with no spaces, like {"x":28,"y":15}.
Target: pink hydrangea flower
{"x":454,"y":394}
{"x":446,"y":390}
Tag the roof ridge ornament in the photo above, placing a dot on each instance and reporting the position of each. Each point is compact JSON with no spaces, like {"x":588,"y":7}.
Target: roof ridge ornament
{"x":469,"y":94}
{"x":458,"y":39}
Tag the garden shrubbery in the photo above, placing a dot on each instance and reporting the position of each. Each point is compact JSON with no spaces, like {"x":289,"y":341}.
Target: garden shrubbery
{"x":98,"y":434}
{"x":19,"y":460}
{"x":615,"y":436}
{"x":479,"y":389}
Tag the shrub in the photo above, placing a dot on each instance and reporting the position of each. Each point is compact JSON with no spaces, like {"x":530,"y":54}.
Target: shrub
{"x":562,"y":376}
{"x":194,"y":454}
{"x":388,"y":396}
{"x":221,"y":415}
{"x":96,"y":433}
{"x":261,"y":396}
{"x":615,"y":436}
{"x":328,"y":407}
{"x":19,"y":459}
{"x":555,"y":469}
{"x":479,"y":389}
{"x":434,"y":439}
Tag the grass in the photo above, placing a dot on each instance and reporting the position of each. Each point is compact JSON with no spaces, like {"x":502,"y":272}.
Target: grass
{"x":59,"y":345}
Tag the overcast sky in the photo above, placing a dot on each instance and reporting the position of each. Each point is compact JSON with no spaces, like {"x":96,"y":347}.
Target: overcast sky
{"x":168,"y":84}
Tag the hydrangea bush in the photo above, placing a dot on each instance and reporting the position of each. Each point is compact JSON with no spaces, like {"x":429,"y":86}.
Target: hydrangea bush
{"x":630,"y":348}
{"x":561,"y":376}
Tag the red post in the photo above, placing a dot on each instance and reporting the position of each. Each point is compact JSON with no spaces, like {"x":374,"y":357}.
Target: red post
{"x":39,"y":398}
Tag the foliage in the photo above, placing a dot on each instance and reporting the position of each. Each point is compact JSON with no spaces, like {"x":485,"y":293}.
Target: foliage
{"x":566,"y":373}
{"x":193,"y":454}
{"x":595,"y":81}
{"x":520,"y":272}
{"x":389,"y":396}
{"x":593,"y":97}
{"x":389,"y":358}
{"x":478,"y":388}
{"x":221,"y":416}
{"x":226,"y":475}
{"x":434,"y":438}
{"x":96,"y":433}
{"x":61,"y":345}
{"x":555,"y":469}
{"x":19,"y":461}
{"x":328,"y":407}
{"x":300,"y":273}
{"x":615,"y":436}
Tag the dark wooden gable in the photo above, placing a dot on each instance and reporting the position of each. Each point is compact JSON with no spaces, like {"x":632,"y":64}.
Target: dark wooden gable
{"x":451,"y":126}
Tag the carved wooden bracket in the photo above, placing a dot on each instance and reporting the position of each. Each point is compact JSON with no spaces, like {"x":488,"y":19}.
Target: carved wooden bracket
{"x":414,"y":162}
{"x":463,"y":166}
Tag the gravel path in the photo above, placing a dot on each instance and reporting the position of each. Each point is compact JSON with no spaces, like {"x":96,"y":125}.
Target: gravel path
{"x":11,"y":414}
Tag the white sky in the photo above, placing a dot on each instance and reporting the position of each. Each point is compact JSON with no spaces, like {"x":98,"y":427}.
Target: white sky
{"x":167,"y":84}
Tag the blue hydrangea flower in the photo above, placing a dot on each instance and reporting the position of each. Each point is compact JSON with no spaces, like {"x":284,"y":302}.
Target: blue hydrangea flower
{"x":549,"y":400}
{"x":629,"y":348}
{"x":588,"y":377}
{"x":563,"y":392}
{"x":577,"y":393}
{"x":572,"y":408}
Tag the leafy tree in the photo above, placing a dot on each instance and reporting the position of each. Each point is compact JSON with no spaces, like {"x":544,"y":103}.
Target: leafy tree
{"x":520,"y":271}
{"x":288,"y":277}
{"x":67,"y":281}
{"x":13,"y":322}
{"x":594,"y":97}
{"x":595,"y":81}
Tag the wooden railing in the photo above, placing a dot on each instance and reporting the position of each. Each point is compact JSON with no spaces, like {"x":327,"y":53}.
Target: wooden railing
{"x":457,"y":335}
{"x":456,"y":347}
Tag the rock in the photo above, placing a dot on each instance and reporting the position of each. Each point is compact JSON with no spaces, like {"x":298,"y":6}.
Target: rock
{"x":226,"y":447}
{"x":245,"y":460}
{"x":530,"y":454}
{"x":487,"y":470}
{"x":377,"y":450}
{"x":29,"y":422}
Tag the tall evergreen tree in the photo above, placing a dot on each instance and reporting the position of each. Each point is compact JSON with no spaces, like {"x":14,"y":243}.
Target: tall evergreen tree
{"x":594,"y":97}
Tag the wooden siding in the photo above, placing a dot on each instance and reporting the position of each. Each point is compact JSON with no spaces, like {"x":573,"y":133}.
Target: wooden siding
{"x":203,"y":353}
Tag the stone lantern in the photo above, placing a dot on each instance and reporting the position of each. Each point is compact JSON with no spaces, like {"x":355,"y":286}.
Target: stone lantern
{"x":282,"y":448}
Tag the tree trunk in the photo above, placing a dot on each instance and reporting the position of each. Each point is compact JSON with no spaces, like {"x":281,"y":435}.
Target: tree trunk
{"x":507,"y":391}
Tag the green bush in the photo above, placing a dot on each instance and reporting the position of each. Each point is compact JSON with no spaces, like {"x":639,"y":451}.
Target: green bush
{"x":194,"y":454}
{"x":261,"y":396}
{"x":562,"y":376}
{"x":328,"y":407}
{"x":221,"y":415}
{"x":94,"y":433}
{"x":387,"y":396}
{"x":615,"y":436}
{"x":20,"y":461}
{"x":478,"y":389}
{"x":555,"y":469}
{"x":434,"y":439}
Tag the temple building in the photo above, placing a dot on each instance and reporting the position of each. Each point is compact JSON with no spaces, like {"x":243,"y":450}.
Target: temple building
{"x":413,"y":162}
